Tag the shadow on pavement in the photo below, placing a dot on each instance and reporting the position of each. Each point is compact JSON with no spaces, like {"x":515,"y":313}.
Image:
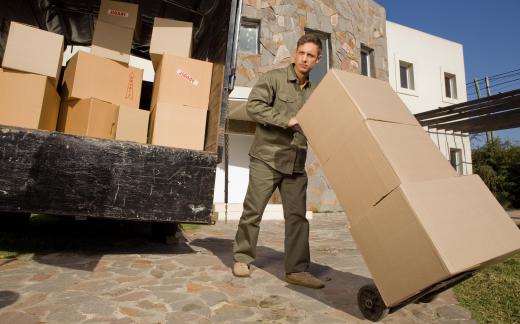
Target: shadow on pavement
{"x":65,"y":242}
{"x":340,"y":290}
{"x":7,"y":298}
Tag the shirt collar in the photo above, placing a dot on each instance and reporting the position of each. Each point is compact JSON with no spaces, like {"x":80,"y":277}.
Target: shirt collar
{"x":291,"y":75}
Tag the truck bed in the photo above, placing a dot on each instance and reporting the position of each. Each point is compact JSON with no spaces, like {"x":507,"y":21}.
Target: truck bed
{"x":60,"y":174}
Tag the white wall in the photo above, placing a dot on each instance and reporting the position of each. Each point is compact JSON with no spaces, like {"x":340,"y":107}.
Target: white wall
{"x":431,"y":57}
{"x":238,"y":170}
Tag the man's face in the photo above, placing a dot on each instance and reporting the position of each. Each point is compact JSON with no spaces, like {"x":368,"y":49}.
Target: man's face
{"x":306,"y":57}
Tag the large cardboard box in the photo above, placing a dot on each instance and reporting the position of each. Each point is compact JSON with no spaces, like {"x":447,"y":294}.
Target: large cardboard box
{"x":182,"y":81}
{"x":343,"y":100}
{"x":119,"y":13}
{"x":177,"y":126}
{"x":415,"y":221}
{"x":426,"y":232}
{"x":112,"y":42}
{"x":376,"y":157}
{"x":88,"y":117}
{"x":132,"y":125}
{"x":28,"y":100}
{"x":367,"y":140}
{"x":170,"y":37}
{"x":90,"y":76}
{"x":33,"y":50}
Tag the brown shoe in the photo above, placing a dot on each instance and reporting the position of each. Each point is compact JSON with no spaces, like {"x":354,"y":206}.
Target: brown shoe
{"x":304,"y":279}
{"x":241,"y":269}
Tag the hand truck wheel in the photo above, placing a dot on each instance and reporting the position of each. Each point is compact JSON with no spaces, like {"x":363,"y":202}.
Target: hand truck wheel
{"x":427,"y":298}
{"x":371,"y":304}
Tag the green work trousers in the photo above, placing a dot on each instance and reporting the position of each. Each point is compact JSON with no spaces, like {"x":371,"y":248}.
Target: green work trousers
{"x":263,"y":180}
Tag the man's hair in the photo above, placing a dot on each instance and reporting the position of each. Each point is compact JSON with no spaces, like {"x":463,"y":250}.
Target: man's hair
{"x":310,"y":38}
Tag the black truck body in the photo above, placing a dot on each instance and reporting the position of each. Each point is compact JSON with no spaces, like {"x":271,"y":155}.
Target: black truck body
{"x":60,"y":174}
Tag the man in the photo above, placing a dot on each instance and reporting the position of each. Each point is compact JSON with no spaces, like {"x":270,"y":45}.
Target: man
{"x":277,"y":160}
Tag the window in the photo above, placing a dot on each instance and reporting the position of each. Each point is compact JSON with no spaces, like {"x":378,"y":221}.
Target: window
{"x":450,"y":85}
{"x":406,"y":75}
{"x":456,"y":160}
{"x":367,"y":61}
{"x":323,"y":66}
{"x":248,"y":37}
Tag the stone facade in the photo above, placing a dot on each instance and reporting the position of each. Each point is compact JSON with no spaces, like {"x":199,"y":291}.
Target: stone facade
{"x":350,"y":25}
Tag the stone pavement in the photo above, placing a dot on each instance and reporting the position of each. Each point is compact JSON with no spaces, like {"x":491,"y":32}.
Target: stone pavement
{"x":138,"y":281}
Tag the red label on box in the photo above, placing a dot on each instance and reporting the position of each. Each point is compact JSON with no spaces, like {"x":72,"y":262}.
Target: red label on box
{"x":130,"y":87}
{"x":117,"y":13}
{"x":187,"y":77}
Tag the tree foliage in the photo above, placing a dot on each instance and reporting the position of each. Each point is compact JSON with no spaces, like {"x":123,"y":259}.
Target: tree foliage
{"x":498,"y":164}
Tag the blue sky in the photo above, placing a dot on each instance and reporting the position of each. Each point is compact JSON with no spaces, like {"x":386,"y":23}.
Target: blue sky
{"x":489,"y":30}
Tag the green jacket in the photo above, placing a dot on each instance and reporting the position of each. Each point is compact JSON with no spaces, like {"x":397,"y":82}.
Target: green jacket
{"x":274,"y":99}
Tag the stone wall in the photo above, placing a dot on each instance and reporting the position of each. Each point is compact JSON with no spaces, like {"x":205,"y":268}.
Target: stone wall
{"x":350,"y":24}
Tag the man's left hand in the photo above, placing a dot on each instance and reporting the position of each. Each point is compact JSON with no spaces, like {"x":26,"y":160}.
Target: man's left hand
{"x":293,"y":122}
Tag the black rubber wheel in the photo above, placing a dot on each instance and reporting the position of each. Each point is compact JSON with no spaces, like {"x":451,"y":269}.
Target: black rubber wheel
{"x":428,"y":298}
{"x":371,"y":304}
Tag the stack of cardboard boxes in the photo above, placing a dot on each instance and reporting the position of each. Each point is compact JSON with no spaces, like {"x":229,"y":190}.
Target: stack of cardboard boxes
{"x":28,"y":80}
{"x":100,"y":92}
{"x":415,"y":221}
{"x":181,"y":88}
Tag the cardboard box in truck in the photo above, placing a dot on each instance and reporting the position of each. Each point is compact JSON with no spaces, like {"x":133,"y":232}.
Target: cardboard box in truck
{"x":182,"y":81}
{"x":29,"y":49}
{"x":88,"y":117}
{"x":90,"y":76}
{"x":123,"y":14}
{"x":164,"y":30}
{"x":132,"y":125}
{"x":112,"y":42}
{"x":28,"y":100}
{"x":177,"y":126}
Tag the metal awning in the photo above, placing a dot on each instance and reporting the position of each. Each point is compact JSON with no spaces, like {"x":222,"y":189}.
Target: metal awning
{"x":501,"y":111}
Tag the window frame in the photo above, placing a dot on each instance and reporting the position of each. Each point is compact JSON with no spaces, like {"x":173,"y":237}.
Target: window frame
{"x":250,"y":23}
{"x":449,"y":72}
{"x":456,"y":163}
{"x":369,"y":54}
{"x":409,"y":74}
{"x":450,"y":85}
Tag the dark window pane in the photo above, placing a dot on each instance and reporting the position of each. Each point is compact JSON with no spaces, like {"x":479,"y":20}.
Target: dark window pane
{"x":319,"y":71}
{"x":447,"y":85}
{"x":404,"y":77}
{"x":453,"y":159}
{"x":364,"y":63}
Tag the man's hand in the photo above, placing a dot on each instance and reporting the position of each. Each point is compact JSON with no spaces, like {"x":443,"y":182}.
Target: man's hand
{"x":293,"y":122}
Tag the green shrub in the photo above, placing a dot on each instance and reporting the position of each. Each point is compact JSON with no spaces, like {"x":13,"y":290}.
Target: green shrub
{"x":498,"y":164}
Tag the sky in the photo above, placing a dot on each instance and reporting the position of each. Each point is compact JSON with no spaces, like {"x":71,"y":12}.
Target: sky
{"x":489,"y":31}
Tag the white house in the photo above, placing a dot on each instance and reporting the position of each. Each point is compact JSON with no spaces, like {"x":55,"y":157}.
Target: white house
{"x":427,"y":72}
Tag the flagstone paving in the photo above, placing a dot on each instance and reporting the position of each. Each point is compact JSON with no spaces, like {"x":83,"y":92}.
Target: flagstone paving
{"x":135,"y":280}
